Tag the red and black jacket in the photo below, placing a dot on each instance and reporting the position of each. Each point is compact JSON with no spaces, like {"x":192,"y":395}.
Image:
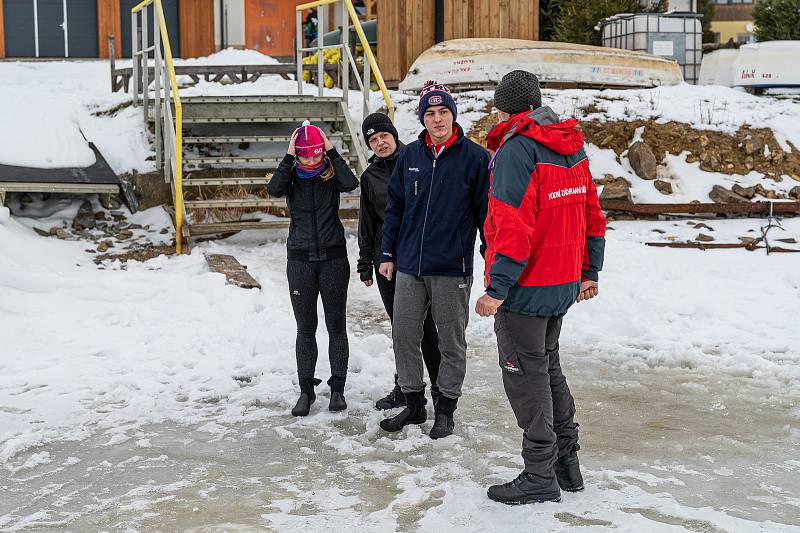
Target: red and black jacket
{"x":544,"y":229}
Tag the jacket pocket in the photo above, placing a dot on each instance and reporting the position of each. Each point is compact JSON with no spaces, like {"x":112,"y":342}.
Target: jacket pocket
{"x":506,"y":349}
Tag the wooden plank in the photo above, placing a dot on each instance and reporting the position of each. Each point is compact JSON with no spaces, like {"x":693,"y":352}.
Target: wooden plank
{"x":196,"y":28}
{"x":234,"y":271}
{"x":2,"y":32}
{"x":108,"y":23}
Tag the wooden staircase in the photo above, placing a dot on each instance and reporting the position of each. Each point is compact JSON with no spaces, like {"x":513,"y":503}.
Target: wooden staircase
{"x":236,"y":135}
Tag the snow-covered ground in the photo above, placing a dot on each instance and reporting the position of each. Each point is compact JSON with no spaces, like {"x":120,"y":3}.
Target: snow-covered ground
{"x":157,"y":397}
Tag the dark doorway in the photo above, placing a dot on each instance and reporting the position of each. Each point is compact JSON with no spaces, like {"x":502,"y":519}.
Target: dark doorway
{"x":170,"y":14}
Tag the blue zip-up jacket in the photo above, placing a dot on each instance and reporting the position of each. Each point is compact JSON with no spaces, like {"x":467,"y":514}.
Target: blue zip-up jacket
{"x":435,"y":207}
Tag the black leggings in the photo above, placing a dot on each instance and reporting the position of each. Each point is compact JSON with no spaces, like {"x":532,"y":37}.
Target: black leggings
{"x":307,"y":281}
{"x":430,"y":338}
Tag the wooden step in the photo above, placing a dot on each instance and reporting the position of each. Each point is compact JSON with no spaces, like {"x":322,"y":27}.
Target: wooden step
{"x":235,"y":203}
{"x":350,"y":201}
{"x":257,"y":120}
{"x":224,"y":182}
{"x":232,"y":227}
{"x":222,"y":139}
{"x":232,"y":160}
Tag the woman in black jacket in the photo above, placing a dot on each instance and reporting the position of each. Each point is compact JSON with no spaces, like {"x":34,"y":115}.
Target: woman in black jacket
{"x":311,"y":176}
{"x":381,"y":135}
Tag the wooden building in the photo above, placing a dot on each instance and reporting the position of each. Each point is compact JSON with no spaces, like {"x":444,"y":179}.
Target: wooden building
{"x":81,"y":28}
{"x":406,"y":28}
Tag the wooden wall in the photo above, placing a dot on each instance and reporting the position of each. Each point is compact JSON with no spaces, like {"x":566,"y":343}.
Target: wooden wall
{"x":196,"y":27}
{"x":108,"y":23}
{"x":406,"y":28}
{"x":516,"y":19}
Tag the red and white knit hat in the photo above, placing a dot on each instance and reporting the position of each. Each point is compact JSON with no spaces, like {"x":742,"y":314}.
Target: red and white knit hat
{"x":310,"y":141}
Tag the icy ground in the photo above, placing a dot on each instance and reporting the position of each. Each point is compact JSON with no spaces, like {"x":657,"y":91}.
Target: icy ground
{"x":158,"y":397}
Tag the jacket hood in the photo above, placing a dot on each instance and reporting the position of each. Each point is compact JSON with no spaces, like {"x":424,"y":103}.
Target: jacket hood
{"x":541,"y":125}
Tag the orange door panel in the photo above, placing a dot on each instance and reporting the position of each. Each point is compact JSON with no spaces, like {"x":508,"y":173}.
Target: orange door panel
{"x":269,"y":26}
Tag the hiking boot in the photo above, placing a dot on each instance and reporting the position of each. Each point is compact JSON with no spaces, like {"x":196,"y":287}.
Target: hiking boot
{"x":414,"y":413}
{"x":568,"y":472}
{"x":443,"y":424}
{"x":337,"y":402}
{"x":307,"y":396}
{"x":527,"y":488}
{"x":396,"y":398}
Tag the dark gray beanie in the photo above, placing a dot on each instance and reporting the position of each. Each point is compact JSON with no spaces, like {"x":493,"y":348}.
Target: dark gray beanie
{"x":517,"y":92}
{"x":376,"y":123}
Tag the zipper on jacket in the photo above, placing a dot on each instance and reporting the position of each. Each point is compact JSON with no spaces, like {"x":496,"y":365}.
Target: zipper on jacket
{"x":314,"y":221}
{"x":415,"y":188}
{"x":425,"y":220}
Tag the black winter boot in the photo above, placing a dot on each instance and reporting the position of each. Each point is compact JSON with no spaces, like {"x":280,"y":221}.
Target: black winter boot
{"x":443,"y":425}
{"x":414,"y":413}
{"x":568,"y":472}
{"x":307,"y":396}
{"x":396,"y":398}
{"x":337,"y":402}
{"x":527,"y":488}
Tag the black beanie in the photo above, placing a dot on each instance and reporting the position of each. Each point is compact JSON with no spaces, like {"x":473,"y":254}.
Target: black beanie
{"x":376,"y":123}
{"x":517,"y":92}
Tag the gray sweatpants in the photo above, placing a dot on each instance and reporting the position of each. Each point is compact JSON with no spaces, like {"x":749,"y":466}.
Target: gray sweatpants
{"x":536,"y":387}
{"x":448,"y":298}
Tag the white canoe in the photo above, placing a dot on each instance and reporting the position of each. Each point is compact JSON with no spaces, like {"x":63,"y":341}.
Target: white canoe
{"x":480,"y":63}
{"x":770,"y":64}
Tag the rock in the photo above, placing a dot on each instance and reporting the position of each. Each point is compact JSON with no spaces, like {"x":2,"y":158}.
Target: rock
{"x":658,"y":231}
{"x":747,"y":192}
{"x":642,"y":160}
{"x":100,"y":215}
{"x":85,"y":217}
{"x":103,"y":246}
{"x":749,"y":163}
{"x":795,"y":177}
{"x":747,"y":240}
{"x":53,"y":231}
{"x":752,"y":146}
{"x":124,"y":235}
{"x":90,"y":251}
{"x":760,"y":189}
{"x":703,"y":141}
{"x":772,"y":195}
{"x":703,"y":226}
{"x":702,"y":237}
{"x":721,"y":195}
{"x":619,"y":189}
{"x":44,"y":233}
{"x":135,"y":226}
{"x":664,"y":187}
{"x":151,"y":190}
{"x":110,"y":201}
{"x":62,"y":234}
{"x":790,"y":240}
{"x":163,"y":231}
{"x":795,"y":193}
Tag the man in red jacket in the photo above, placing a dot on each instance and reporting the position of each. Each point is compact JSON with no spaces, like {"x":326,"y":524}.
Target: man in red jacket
{"x":545,"y":243}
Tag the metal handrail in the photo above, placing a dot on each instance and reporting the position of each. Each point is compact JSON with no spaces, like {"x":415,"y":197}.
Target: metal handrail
{"x":347,"y":58}
{"x":169,"y":129}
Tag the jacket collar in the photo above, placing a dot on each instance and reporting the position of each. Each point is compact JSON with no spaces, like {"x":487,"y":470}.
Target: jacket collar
{"x":374,"y":158}
{"x":541,"y":125}
{"x":459,"y":138}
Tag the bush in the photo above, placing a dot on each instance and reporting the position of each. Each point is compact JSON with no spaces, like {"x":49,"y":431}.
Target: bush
{"x":777,"y":20}
{"x":578,"y":18}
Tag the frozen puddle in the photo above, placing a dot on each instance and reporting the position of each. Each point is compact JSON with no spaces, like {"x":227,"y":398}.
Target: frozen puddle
{"x":663,"y":450}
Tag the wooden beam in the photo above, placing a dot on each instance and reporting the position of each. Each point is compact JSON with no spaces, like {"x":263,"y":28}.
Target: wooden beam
{"x":2,"y":32}
{"x":108,"y":23}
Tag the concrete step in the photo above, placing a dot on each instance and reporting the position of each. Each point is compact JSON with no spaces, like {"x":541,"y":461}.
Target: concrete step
{"x":225,"y":182}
